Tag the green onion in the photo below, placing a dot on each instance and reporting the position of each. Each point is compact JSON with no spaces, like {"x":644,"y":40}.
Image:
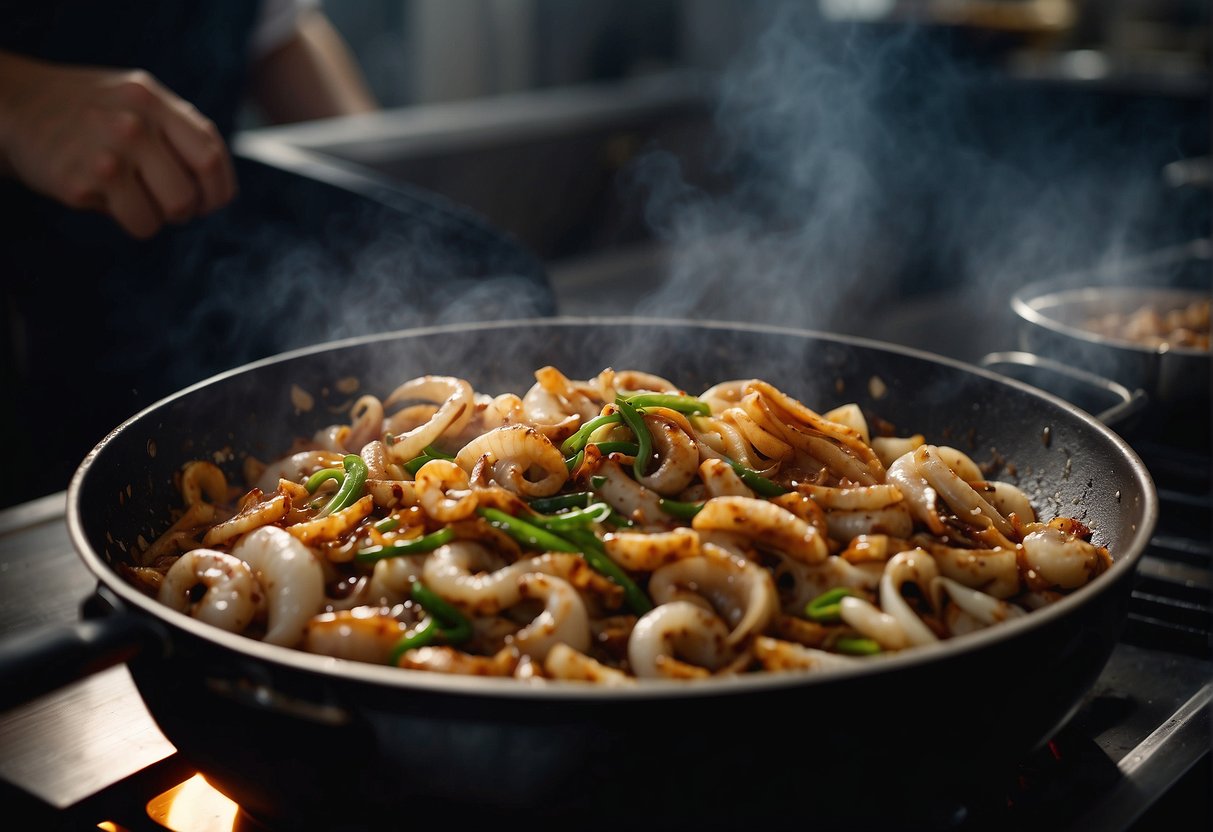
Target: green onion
{"x":547,"y":505}
{"x":681,"y":510}
{"x":423,"y":634}
{"x":683,"y":404}
{"x":428,"y":543}
{"x":526,"y":533}
{"x":618,"y":520}
{"x":598,"y":481}
{"x":444,"y":622}
{"x":575,"y":518}
{"x":824,"y":609}
{"x":628,"y":448}
{"x":320,"y":477}
{"x":856,"y":646}
{"x":428,"y":454}
{"x":575,"y":540}
{"x":577,"y":441}
{"x":644,"y":439}
{"x":387,"y":524}
{"x":591,"y":547}
{"x":435,"y":453}
{"x":455,"y":626}
{"x":576,"y":500}
{"x":351,"y":487}
{"x":756,"y":481}
{"x":572,"y":462}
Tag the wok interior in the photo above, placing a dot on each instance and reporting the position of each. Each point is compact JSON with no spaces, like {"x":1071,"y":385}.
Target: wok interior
{"x":1063,"y":460}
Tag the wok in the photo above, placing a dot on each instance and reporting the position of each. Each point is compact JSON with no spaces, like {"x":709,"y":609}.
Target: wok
{"x":306,"y":739}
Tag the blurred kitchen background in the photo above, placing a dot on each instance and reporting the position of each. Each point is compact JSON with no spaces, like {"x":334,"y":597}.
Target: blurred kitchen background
{"x":817,"y":164}
{"x":427,"y":51}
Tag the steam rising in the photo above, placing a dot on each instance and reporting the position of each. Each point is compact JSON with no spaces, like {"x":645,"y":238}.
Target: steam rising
{"x":864,"y":166}
{"x":277,"y":285}
{"x":870,"y":165}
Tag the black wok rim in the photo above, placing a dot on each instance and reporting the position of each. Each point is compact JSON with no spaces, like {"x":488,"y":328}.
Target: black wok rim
{"x":404,"y":680}
{"x":1023,"y":304}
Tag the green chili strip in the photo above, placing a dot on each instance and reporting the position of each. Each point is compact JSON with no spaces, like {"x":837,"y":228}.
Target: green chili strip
{"x":387,"y":524}
{"x":579,"y":500}
{"x":577,"y":441}
{"x":629,"y":448}
{"x":428,"y":543}
{"x":574,"y":540}
{"x":423,"y":634}
{"x":683,"y":404}
{"x":547,"y":505}
{"x":526,"y":533}
{"x":428,"y":454}
{"x":615,"y":519}
{"x":618,"y":520}
{"x":597,"y":557}
{"x":430,"y":450}
{"x":320,"y":477}
{"x":681,"y":510}
{"x":756,"y":481}
{"x":414,"y":464}
{"x":455,"y":626}
{"x":644,"y":439}
{"x":825,"y":608}
{"x":856,"y":646}
{"x":443,"y":622}
{"x":351,"y":486}
{"x":577,"y":518}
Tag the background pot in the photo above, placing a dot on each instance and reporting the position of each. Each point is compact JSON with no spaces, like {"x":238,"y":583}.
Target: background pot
{"x":1175,"y":380}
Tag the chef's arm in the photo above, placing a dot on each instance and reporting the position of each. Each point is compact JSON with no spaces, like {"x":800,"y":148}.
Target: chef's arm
{"x":311,"y":75}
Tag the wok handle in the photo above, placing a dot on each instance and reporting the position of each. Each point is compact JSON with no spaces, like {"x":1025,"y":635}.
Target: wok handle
{"x":45,"y":659}
{"x":1130,"y":402}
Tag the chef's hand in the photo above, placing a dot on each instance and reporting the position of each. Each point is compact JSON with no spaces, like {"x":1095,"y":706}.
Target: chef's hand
{"x":110,"y":140}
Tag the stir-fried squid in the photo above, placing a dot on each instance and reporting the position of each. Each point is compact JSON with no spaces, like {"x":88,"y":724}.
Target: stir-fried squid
{"x":609,"y":531}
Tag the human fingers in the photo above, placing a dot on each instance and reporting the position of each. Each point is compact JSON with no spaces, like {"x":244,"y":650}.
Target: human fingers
{"x":196,"y":141}
{"x":177,"y":193}
{"x":190,"y":136}
{"x":128,"y":200}
{"x":140,"y":146}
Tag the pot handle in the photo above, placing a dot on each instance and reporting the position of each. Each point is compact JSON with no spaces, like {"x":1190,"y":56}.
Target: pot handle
{"x":45,"y":659}
{"x":1130,"y":402}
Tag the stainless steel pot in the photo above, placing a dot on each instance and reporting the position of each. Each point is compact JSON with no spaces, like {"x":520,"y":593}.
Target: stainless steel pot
{"x":1174,"y":380}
